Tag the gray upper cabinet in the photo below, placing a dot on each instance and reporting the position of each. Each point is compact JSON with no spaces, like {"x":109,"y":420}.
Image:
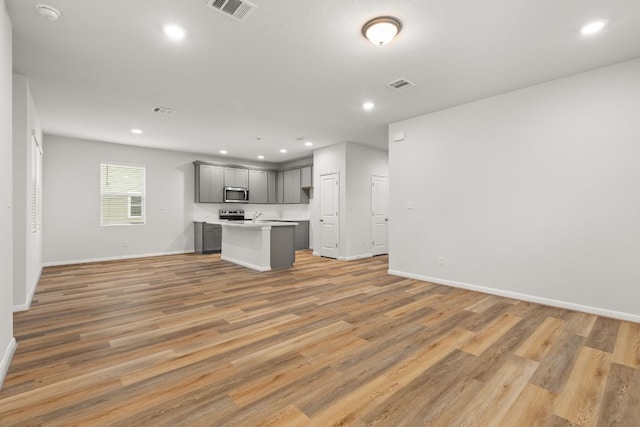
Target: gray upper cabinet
{"x":271,"y":187}
{"x":236,"y":177}
{"x":258,"y":187}
{"x":292,"y":186}
{"x":305,"y":177}
{"x":265,"y":186}
{"x":280,"y":187}
{"x":209,"y":183}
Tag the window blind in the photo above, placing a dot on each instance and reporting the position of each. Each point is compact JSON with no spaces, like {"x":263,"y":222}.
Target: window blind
{"x":122,"y":194}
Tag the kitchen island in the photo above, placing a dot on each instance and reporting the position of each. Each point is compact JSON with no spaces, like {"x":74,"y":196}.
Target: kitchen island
{"x":259,"y":245}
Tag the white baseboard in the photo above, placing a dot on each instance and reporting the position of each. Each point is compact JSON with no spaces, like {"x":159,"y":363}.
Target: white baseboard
{"x":245,"y":264}
{"x":6,"y":359}
{"x":116,"y":258}
{"x":354,"y":257}
{"x":27,"y":305}
{"x":524,"y":297}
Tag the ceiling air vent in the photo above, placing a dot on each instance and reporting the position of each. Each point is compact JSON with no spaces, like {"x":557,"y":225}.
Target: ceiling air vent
{"x":237,"y":9}
{"x":163,"y":110}
{"x":400,"y":84}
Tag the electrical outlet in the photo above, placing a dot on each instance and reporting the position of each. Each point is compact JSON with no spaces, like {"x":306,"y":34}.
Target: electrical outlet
{"x":440,"y":260}
{"x":125,"y":244}
{"x":411,"y":205}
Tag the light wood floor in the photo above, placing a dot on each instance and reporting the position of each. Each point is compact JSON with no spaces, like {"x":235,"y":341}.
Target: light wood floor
{"x":192,"y":340}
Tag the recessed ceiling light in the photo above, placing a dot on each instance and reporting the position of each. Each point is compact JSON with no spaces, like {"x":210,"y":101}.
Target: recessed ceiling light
{"x":223,"y":151}
{"x":261,"y":157}
{"x":593,"y":27}
{"x":283,"y":151}
{"x":308,"y":143}
{"x":368,"y":105}
{"x":174,"y":32}
{"x":136,"y":131}
{"x":49,"y":12}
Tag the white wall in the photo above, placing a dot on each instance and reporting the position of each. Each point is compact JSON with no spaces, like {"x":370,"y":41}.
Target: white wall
{"x":362,"y":163}
{"x":72,"y":231}
{"x":7,"y":342}
{"x":329,"y":159}
{"x":355,"y":164}
{"x":532,"y":193}
{"x":27,"y":245}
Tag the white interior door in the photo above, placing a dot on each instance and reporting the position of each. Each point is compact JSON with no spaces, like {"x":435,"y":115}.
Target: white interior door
{"x":329,"y":210}
{"x":379,"y":214}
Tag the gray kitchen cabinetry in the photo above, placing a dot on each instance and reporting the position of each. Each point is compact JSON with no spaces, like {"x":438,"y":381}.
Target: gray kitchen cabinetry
{"x":293,"y":192}
{"x":292,"y":186}
{"x":236,"y":177}
{"x":258,"y":187}
{"x":271,"y":187}
{"x":209,"y":183}
{"x":280,"y":187}
{"x":302,"y":235}
{"x":306,"y":181}
{"x":208,"y":238}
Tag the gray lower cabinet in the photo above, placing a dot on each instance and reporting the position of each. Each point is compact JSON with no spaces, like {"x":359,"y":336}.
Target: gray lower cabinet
{"x":301,"y":232}
{"x":302,"y":235}
{"x":208,"y":238}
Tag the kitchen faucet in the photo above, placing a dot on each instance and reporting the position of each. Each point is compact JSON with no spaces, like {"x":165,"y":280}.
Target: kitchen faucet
{"x":256,"y":215}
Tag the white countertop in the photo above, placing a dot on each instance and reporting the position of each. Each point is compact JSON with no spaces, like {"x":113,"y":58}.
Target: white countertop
{"x":256,"y":224}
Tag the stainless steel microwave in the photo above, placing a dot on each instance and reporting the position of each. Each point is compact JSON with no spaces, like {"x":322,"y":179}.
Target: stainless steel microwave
{"x":236,"y":195}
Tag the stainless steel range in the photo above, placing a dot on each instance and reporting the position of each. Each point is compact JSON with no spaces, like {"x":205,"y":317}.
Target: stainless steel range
{"x":231,"y":215}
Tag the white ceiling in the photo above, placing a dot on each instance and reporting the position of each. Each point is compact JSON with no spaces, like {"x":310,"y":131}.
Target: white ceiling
{"x":295,"y":68}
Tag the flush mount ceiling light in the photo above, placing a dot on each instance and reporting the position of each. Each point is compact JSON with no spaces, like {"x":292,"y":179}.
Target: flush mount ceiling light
{"x":49,"y":12}
{"x":283,"y":151}
{"x":308,"y":143}
{"x":368,"y":105}
{"x":174,"y":32}
{"x":593,"y":27}
{"x":223,"y":151}
{"x":136,"y":131}
{"x":381,"y":30}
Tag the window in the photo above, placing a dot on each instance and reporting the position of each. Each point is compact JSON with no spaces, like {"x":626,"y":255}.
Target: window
{"x":122,"y":194}
{"x":36,"y":184}
{"x":135,"y":207}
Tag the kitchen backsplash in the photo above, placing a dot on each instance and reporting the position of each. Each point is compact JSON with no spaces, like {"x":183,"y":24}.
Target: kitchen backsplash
{"x":209,"y":211}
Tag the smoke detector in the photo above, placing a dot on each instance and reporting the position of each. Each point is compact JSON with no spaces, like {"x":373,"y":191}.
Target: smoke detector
{"x":49,"y":12}
{"x":236,"y":9}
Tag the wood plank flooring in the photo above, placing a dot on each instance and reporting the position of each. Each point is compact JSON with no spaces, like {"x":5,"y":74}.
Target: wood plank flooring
{"x":190,"y":340}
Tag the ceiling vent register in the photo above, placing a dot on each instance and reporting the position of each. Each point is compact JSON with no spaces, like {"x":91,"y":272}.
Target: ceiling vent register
{"x":400,"y":84}
{"x":165,"y":111}
{"x":237,"y":9}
